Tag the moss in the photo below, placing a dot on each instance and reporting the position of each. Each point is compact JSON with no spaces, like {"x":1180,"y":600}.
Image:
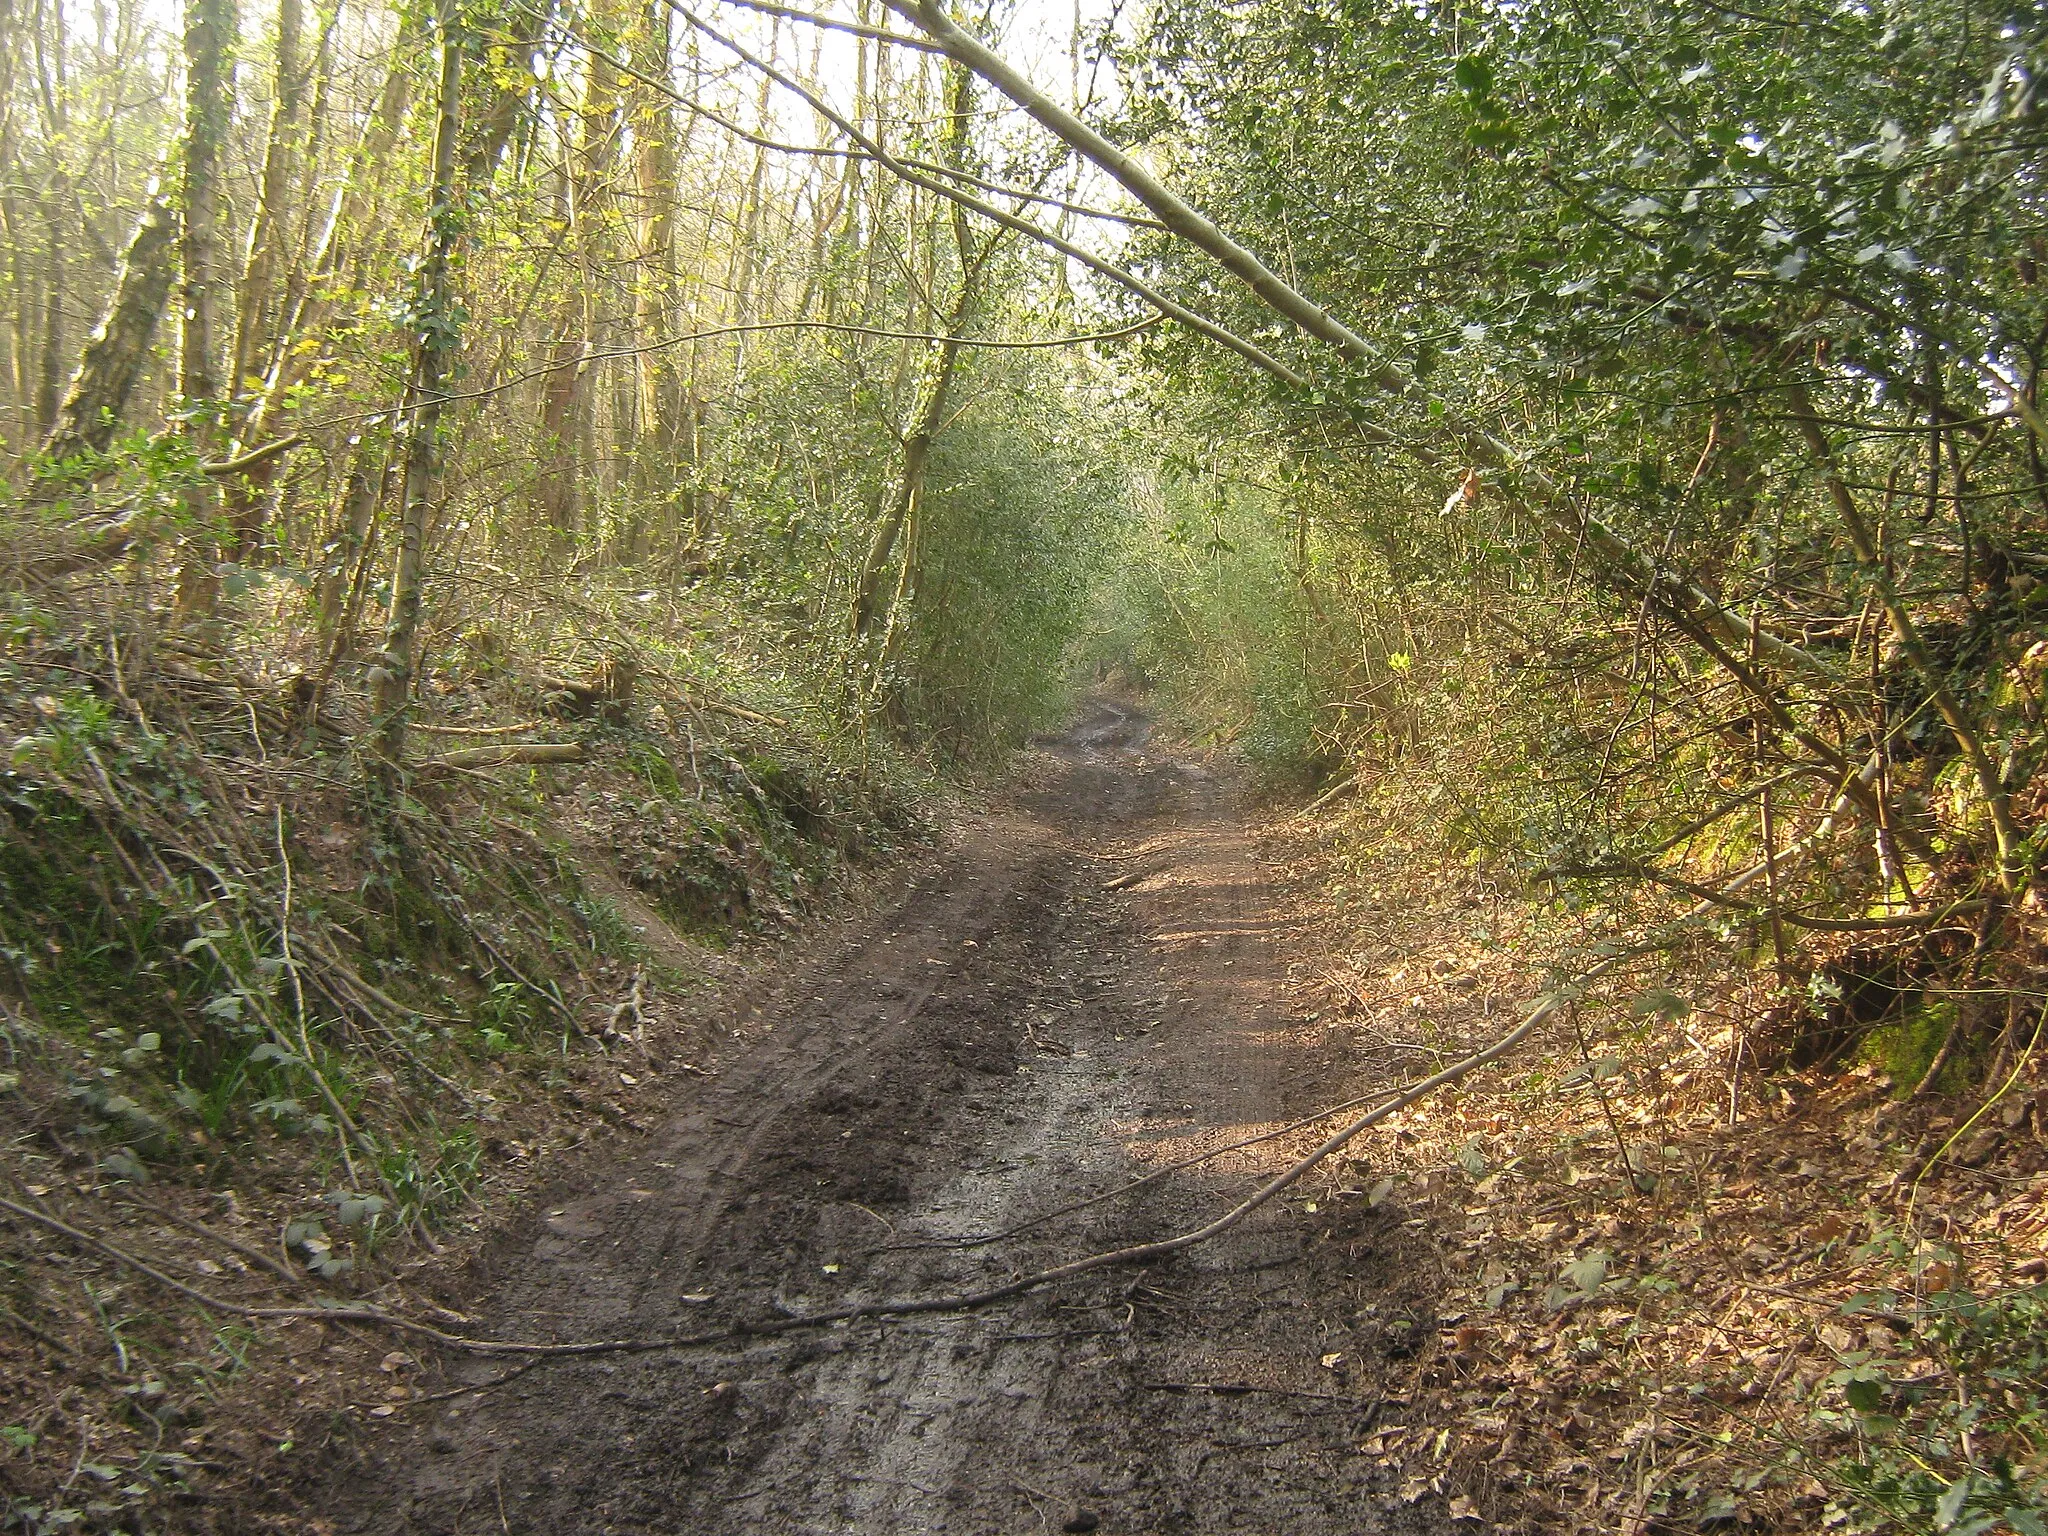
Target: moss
{"x":1907,"y":1048}
{"x":651,"y":764}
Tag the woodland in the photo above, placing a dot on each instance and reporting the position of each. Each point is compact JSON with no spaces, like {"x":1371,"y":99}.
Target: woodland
{"x":452,"y":443}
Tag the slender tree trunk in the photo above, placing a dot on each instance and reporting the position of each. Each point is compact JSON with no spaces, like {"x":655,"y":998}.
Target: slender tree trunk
{"x":513,"y":99}
{"x":50,"y":368}
{"x":208,"y":37}
{"x":266,"y":234}
{"x":436,"y":340}
{"x":929,"y":412}
{"x":118,"y":352}
{"x":52,"y":48}
{"x":209,"y":29}
{"x":566,"y":406}
{"x":907,"y":493}
{"x":654,"y":289}
{"x":746,"y":254}
{"x":247,"y":496}
{"x":20,"y":429}
{"x":361,"y":491}
{"x":347,"y":224}
{"x":561,"y":397}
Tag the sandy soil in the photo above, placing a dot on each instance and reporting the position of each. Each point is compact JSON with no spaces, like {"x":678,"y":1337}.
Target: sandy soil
{"x":1088,"y":983}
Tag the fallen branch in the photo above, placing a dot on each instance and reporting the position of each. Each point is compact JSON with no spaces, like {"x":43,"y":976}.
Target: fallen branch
{"x":479,"y":730}
{"x":1330,"y":794}
{"x":508,"y":754}
{"x":40,"y":1335}
{"x":734,"y":711}
{"x":338,"y":1312}
{"x":234,"y":1245}
{"x":1244,"y":1389}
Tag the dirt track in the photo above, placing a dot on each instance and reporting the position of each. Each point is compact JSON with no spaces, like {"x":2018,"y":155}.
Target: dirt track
{"x":1005,"y":1039}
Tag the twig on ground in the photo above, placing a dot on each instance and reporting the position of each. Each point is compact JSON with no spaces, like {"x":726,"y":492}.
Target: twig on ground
{"x":478,"y":1388}
{"x":236,"y":1245}
{"x":1241,"y":1389}
{"x":36,"y":1333}
{"x":1329,"y":794}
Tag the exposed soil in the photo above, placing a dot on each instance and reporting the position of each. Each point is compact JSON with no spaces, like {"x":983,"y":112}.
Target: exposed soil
{"x":1009,"y":1036}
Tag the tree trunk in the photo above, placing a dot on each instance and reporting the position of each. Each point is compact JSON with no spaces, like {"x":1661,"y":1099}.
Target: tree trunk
{"x":744,"y":267}
{"x":209,"y":26}
{"x":266,"y":234}
{"x":908,"y":492}
{"x":930,"y":410}
{"x":436,"y":339}
{"x":20,"y":428}
{"x":512,"y":98}
{"x":560,"y":401}
{"x":118,"y":352}
{"x":248,"y":496}
{"x":352,"y":210}
{"x":342,"y":574}
{"x":655,"y":167}
{"x":50,"y":367}
{"x":565,"y":396}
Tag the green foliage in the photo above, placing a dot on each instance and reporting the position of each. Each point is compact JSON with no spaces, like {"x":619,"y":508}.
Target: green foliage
{"x":1631,"y":245}
{"x":1015,"y":521}
{"x":1203,"y":602}
{"x":1959,"y":1453}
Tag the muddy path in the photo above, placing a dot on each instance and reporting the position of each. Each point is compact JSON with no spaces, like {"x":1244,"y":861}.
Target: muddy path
{"x":1086,"y":985}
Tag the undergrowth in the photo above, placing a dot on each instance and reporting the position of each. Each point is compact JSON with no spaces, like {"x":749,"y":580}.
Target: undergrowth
{"x":320,"y":1010}
{"x":1958,"y":1448}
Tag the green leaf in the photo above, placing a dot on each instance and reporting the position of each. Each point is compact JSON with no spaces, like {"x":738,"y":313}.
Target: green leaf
{"x":1719,"y":1508}
{"x":1597,"y":1069}
{"x":1474,"y":75}
{"x":124,"y":1165}
{"x":1661,"y":1003}
{"x":1949,"y":1506}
